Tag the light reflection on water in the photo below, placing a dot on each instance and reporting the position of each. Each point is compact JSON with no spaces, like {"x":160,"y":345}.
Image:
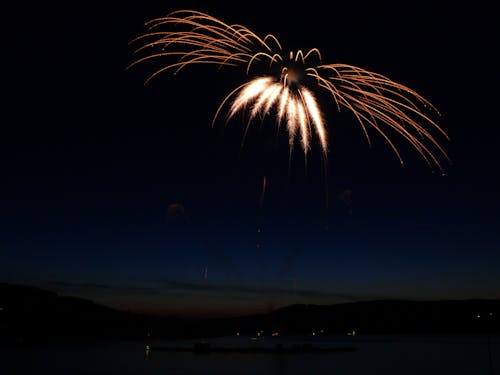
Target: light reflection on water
{"x":375,"y":355}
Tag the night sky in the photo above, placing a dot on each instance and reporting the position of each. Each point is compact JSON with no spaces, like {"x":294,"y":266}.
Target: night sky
{"x":124,"y":193}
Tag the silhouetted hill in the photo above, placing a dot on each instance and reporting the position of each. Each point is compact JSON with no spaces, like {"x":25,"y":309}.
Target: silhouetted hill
{"x":32,"y":314}
{"x":393,"y":317}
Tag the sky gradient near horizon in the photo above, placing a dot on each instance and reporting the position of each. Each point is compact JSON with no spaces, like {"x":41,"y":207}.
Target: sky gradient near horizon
{"x":125,"y":194}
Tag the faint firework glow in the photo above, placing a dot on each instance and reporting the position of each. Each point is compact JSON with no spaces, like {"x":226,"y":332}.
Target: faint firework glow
{"x":290,"y":83}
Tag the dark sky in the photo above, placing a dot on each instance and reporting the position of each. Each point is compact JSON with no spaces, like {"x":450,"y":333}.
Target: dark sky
{"x":91,"y":160}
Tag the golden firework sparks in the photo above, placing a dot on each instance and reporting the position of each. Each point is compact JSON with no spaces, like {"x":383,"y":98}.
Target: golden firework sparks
{"x":188,"y":37}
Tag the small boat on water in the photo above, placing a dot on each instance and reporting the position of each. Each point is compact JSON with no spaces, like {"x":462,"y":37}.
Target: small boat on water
{"x":205,"y":347}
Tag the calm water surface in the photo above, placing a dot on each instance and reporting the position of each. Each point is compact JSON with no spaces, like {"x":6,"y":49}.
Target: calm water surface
{"x":375,"y":355}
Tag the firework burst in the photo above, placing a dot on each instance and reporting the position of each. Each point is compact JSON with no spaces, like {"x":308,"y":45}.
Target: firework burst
{"x":288,"y":88}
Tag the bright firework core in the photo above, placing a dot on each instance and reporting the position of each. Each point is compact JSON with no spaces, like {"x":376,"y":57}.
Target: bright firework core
{"x":295,"y":106}
{"x":290,"y":76}
{"x":294,"y":71}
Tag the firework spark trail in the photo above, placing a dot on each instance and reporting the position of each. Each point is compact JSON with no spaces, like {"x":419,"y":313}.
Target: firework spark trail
{"x":263,"y":192}
{"x":192,"y":37}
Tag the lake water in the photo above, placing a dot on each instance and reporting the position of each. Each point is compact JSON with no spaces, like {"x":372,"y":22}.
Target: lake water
{"x":374,"y":355}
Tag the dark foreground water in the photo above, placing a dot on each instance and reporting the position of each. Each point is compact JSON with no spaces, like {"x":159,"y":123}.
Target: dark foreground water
{"x":374,"y":355}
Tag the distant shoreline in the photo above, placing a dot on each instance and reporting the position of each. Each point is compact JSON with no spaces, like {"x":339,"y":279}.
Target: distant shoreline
{"x":32,"y":314}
